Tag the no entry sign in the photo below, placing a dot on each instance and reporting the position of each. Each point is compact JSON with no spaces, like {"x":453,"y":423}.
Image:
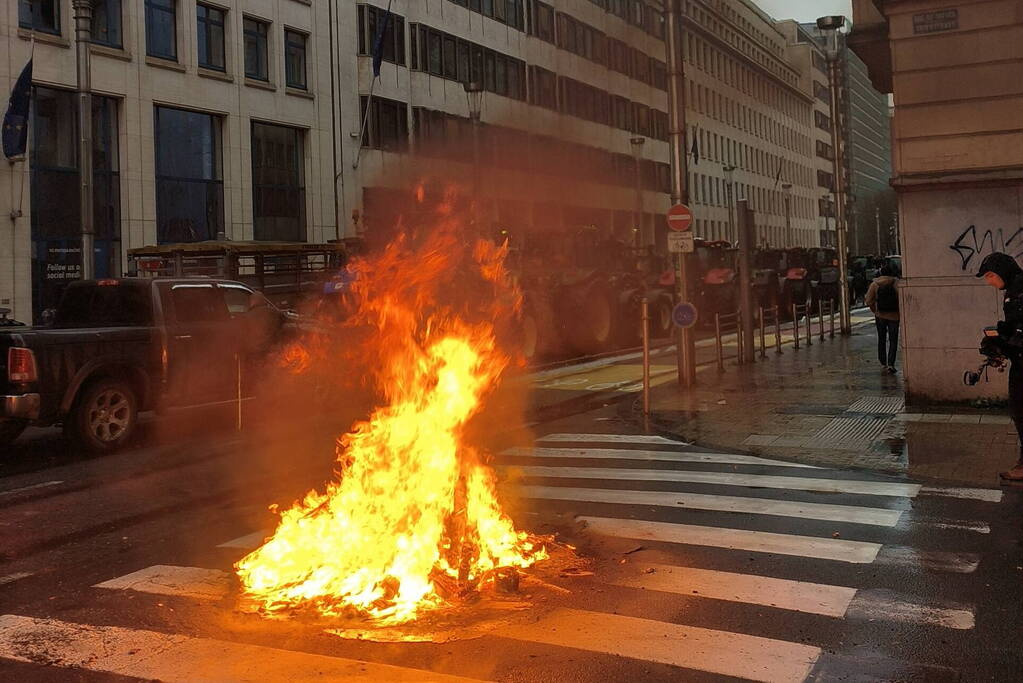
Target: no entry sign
{"x":680,"y":218}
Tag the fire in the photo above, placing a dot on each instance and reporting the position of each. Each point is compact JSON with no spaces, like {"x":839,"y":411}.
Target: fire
{"x":413,"y":519}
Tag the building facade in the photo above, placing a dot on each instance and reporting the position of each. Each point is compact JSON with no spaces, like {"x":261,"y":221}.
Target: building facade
{"x":953,"y":69}
{"x":209,"y":119}
{"x":263,"y":120}
{"x":865,"y":128}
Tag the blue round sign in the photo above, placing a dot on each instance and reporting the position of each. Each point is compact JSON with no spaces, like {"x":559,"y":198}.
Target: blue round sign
{"x":684,"y":315}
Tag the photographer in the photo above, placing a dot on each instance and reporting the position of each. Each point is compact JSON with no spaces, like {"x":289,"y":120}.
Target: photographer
{"x":1003,"y":273}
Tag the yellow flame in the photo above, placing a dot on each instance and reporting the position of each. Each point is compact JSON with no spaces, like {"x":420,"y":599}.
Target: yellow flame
{"x":414,"y":503}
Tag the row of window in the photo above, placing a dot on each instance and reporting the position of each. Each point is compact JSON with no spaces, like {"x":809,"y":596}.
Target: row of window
{"x":577,"y":37}
{"x":713,"y":191}
{"x":212,"y":39}
{"x":505,"y":11}
{"x":161,"y":23}
{"x":188,"y":171}
{"x":439,"y":134}
{"x":729,"y":152}
{"x":444,"y":55}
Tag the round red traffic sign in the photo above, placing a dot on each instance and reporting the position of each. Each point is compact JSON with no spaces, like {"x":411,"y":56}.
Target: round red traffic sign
{"x":680,"y":218}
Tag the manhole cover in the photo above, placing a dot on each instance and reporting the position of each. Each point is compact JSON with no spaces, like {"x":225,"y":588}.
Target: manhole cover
{"x":878,"y":405}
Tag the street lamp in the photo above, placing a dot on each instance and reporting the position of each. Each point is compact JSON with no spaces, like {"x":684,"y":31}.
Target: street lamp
{"x":828,"y":208}
{"x":829,"y":27}
{"x":83,"y":40}
{"x":637,"y":225}
{"x":787,"y":191}
{"x":474,"y":99}
{"x":729,"y":186}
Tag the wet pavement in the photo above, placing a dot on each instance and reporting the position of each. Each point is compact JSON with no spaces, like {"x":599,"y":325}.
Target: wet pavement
{"x":831,"y":404}
{"x":707,"y":558}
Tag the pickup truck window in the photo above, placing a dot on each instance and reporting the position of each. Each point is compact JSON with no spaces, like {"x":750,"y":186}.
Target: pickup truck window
{"x":197,"y":303}
{"x":104,"y":306}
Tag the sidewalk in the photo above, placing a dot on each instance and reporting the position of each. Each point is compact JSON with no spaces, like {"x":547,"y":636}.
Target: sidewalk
{"x":831,"y":405}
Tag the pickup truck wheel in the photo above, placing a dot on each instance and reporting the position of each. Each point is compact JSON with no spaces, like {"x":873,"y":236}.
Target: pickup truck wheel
{"x":105,"y":416}
{"x":11,"y":430}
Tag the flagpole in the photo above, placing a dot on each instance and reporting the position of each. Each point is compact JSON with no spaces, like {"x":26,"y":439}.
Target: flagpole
{"x":25,"y":171}
{"x":377,"y":53}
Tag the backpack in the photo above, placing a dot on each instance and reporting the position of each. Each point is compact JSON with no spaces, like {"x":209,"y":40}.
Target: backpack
{"x":887,"y":299}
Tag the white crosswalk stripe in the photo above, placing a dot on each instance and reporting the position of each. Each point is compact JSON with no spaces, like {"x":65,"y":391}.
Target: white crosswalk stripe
{"x":696,"y":501}
{"x":651,"y":456}
{"x":613,"y":438}
{"x":159,"y":656}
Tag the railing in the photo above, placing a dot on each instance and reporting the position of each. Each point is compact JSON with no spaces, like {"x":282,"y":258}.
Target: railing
{"x":727,"y":323}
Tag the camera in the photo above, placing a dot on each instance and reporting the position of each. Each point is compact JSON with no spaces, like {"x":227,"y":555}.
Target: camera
{"x":989,"y":347}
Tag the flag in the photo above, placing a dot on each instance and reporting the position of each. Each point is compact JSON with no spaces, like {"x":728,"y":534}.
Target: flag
{"x":777,"y":176}
{"x":696,"y":148}
{"x":378,"y":44}
{"x":15,"y":130}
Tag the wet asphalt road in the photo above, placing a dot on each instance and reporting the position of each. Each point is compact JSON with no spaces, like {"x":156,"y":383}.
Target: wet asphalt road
{"x":706,"y":567}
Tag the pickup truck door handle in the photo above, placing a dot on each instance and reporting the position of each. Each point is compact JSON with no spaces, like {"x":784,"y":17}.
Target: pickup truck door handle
{"x":182,"y":336}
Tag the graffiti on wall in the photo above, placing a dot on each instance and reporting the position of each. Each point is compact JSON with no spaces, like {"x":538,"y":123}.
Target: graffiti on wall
{"x":972,"y":245}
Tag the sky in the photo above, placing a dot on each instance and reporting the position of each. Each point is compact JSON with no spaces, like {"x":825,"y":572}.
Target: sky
{"x":805,"y":10}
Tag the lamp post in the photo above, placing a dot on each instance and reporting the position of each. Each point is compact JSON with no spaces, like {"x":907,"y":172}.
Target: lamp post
{"x":786,"y":189}
{"x":474,"y":99}
{"x":638,"y":231}
{"x":830,"y":26}
{"x":729,"y":190}
{"x":829,"y":207}
{"x":83,"y":40}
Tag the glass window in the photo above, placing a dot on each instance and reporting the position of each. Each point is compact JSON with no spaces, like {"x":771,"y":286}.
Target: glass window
{"x":106,"y":22}
{"x":197,"y":303}
{"x":39,"y":15}
{"x":56,"y":241}
{"x":256,"y":49}
{"x":387,"y":124}
{"x":161,"y":29}
{"x":278,"y":188}
{"x":122,"y":305}
{"x":189,"y":181}
{"x":295,"y":59}
{"x":210,"y":35}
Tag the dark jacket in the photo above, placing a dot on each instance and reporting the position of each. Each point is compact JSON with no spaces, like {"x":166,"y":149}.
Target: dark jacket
{"x":1010,"y":330}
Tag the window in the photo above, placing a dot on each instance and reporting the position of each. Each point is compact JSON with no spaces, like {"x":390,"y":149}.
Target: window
{"x":197,"y":303}
{"x":189,"y":180}
{"x":55,"y":173}
{"x":39,"y":15}
{"x":256,"y":49}
{"x":543,"y":88}
{"x":822,"y":92}
{"x":124,"y":305}
{"x":543,"y":22}
{"x":210,"y":34}
{"x":106,"y":22}
{"x":822,"y":121}
{"x":278,"y":187}
{"x":825,"y":180}
{"x":824,"y":150}
{"x":294,"y":59}
{"x":371,"y":23}
{"x":387,"y":125}
{"x":161,"y":29}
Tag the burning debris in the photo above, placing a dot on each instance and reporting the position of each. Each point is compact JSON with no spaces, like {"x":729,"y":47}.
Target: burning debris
{"x":413,"y":524}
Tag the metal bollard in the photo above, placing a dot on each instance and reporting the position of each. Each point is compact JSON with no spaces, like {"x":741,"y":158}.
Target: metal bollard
{"x":809,"y":324}
{"x":238,"y":416}
{"x":777,"y":329}
{"x":795,"y":326}
{"x":739,"y":336}
{"x":763,"y":343}
{"x":717,"y":342}
{"x":645,"y":310}
{"x":820,"y":318}
{"x":831,"y":310}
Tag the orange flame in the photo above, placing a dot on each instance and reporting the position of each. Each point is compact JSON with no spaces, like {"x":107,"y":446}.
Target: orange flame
{"x":415,"y":508}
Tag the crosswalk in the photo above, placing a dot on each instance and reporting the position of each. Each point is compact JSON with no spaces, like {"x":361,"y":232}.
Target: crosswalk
{"x":704,"y":561}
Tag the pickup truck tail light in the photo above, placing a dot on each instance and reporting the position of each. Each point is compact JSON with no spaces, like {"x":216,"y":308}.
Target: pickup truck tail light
{"x":21,"y":365}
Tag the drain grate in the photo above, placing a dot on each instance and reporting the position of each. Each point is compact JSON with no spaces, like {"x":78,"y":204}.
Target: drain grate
{"x":878,"y":405}
{"x":849,"y":433}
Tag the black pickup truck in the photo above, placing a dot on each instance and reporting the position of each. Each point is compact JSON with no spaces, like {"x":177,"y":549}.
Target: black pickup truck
{"x":120,"y":346}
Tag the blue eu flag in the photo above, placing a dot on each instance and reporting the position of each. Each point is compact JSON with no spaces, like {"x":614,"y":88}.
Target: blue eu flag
{"x":15,"y":131}
{"x":378,"y":44}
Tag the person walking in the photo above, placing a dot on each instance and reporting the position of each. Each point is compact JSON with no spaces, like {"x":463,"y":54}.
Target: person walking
{"x":882,"y":299}
{"x":1003,"y":273}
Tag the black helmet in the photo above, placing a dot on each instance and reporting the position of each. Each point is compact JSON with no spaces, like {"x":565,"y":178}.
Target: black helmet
{"x":1002,"y":265}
